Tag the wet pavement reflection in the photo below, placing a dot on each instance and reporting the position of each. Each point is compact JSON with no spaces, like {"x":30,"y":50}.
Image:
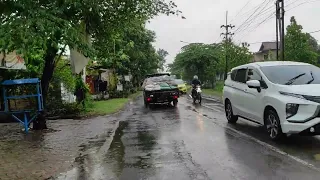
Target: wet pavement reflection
{"x":190,"y":141}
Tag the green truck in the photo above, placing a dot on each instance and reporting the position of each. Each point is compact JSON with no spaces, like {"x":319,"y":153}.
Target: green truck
{"x":160,"y":89}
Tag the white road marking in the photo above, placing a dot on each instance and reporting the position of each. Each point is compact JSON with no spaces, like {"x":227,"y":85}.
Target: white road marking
{"x":275,"y":149}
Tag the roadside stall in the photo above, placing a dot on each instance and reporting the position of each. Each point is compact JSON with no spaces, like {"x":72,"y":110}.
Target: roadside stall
{"x":22,"y":100}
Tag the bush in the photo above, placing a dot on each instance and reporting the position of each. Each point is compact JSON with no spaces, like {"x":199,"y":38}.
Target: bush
{"x":58,"y":108}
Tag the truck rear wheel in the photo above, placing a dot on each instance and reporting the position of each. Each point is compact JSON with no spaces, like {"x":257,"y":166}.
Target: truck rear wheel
{"x":175,"y":103}
{"x":146,"y":104}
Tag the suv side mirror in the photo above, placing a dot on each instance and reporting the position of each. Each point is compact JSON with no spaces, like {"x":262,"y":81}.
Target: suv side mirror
{"x":254,"y":84}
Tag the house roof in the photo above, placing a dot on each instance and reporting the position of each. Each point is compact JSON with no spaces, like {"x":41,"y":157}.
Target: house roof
{"x":266,"y":46}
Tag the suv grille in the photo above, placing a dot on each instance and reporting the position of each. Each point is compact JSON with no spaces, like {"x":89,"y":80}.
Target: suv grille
{"x":313,"y":98}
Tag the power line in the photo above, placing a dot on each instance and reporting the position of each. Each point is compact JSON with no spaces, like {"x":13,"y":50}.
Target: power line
{"x":314,"y":31}
{"x":255,"y":22}
{"x":267,"y":10}
{"x":306,"y":2}
{"x":253,"y":9}
{"x":259,"y":24}
{"x":257,"y":15}
{"x":270,"y":16}
{"x":258,"y":7}
{"x":249,"y":20}
{"x":240,"y":10}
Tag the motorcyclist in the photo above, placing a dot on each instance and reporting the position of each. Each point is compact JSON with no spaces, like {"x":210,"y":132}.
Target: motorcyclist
{"x":194,"y":84}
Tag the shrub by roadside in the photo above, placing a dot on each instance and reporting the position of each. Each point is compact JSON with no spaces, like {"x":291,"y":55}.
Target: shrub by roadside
{"x":216,"y":91}
{"x":58,"y":110}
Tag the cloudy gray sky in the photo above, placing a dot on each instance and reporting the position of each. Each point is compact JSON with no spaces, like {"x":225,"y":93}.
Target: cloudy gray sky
{"x":204,"y":18}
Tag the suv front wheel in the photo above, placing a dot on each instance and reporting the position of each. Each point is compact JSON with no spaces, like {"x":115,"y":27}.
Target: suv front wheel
{"x":272,"y":124}
{"x":229,"y":113}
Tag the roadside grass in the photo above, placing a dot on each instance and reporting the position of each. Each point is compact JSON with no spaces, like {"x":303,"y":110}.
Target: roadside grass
{"x":101,"y":108}
{"x":217,"y":91}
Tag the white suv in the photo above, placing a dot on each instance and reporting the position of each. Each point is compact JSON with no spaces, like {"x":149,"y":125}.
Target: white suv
{"x":282,"y":96}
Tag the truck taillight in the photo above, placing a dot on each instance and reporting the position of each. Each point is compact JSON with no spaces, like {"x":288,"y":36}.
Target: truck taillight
{"x":149,"y":99}
{"x":175,"y":97}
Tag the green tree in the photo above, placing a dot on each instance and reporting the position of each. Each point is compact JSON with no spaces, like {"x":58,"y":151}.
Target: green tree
{"x":208,"y":60}
{"x":197,"y":58}
{"x":39,"y":27}
{"x":162,"y":58}
{"x":299,"y":46}
{"x":238,"y":55}
{"x":131,"y":52}
{"x":45,"y":27}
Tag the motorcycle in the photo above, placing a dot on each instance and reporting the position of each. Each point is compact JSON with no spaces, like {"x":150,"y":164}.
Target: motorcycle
{"x":197,"y":94}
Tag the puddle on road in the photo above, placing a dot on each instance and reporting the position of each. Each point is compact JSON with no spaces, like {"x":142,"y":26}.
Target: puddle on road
{"x":115,"y":154}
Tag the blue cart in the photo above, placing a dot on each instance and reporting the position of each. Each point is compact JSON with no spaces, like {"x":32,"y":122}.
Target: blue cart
{"x":28,"y":115}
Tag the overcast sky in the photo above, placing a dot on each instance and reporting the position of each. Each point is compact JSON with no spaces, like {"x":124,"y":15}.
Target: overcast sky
{"x":204,"y":18}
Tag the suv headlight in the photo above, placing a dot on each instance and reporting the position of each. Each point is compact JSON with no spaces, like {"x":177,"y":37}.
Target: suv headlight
{"x":291,"y":109}
{"x":292,"y":95}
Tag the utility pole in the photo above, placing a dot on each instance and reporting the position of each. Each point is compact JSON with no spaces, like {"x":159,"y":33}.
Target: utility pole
{"x":282,"y":27}
{"x":226,"y":34}
{"x":280,"y":8}
{"x":277,"y":27}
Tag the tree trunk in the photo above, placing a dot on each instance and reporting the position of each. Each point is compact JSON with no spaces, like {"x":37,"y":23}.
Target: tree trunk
{"x":40,"y":122}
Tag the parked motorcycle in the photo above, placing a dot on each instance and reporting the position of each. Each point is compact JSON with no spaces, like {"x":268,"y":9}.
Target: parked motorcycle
{"x":197,"y":94}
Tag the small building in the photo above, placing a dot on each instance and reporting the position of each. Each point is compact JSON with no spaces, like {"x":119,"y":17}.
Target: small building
{"x":267,"y":52}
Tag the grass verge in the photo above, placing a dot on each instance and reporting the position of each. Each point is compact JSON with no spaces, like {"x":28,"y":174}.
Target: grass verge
{"x":216,"y":92}
{"x":101,"y":108}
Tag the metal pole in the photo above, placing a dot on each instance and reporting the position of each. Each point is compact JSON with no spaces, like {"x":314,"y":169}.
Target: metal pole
{"x":277,"y":29}
{"x":227,"y":26}
{"x":282,"y":30}
{"x":226,"y":47}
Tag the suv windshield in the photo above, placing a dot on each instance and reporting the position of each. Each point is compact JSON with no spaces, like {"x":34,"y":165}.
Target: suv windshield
{"x":292,"y":74}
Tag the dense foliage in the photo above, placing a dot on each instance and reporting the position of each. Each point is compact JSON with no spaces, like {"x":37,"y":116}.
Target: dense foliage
{"x":300,"y":46}
{"x":104,"y":30}
{"x":208,"y":60}
{"x":41,"y":27}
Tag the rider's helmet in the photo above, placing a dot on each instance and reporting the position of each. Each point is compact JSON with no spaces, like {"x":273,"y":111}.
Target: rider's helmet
{"x":195,"y":77}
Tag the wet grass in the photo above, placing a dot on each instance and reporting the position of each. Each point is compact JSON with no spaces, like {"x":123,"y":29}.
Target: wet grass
{"x":101,"y":108}
{"x":217,"y":91}
{"x":106,"y":107}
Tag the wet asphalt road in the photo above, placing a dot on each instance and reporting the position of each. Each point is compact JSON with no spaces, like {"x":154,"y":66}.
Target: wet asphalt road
{"x":194,"y":142}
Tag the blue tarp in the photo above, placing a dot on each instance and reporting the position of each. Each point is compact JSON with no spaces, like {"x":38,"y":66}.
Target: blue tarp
{"x":20,"y":81}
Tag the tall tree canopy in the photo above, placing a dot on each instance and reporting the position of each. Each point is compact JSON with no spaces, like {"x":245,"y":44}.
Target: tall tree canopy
{"x":41,"y":30}
{"x":208,"y":60}
{"x":300,"y":46}
{"x":162,"y":58}
{"x":45,"y":27}
{"x":130,"y":51}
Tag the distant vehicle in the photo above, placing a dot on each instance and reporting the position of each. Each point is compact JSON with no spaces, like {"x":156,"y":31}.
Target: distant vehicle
{"x":182,"y":86}
{"x":157,"y":75}
{"x":160,"y":90}
{"x":282,"y":96}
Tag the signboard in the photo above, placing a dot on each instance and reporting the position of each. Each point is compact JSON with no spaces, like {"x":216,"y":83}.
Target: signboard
{"x":12,"y":61}
{"x":120,"y":87}
{"x":127,"y":78}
